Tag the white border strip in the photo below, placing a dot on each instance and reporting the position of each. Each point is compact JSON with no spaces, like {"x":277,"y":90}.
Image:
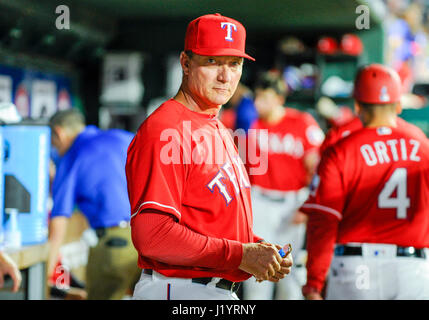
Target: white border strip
{"x":156,"y":203}
{"x":323,"y":208}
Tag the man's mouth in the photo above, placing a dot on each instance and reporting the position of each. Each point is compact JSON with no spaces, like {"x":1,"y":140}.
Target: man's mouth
{"x":222,"y":89}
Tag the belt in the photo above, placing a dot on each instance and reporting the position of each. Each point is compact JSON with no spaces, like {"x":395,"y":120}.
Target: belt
{"x":343,"y":250}
{"x":222,"y":283}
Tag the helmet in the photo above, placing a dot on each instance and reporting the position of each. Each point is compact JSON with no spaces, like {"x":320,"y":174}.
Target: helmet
{"x":351,"y":44}
{"x":327,"y":45}
{"x":377,"y":84}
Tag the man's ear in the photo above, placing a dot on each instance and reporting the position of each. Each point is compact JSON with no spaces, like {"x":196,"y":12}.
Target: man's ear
{"x":59,"y":133}
{"x":184,"y":62}
{"x":398,"y":108}
{"x":281,"y":100}
{"x":357,"y":108}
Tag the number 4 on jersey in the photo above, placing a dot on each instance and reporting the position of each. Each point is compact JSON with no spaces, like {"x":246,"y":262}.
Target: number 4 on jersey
{"x":398,"y":181}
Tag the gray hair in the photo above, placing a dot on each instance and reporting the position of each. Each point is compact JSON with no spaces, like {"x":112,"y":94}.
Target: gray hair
{"x":71,"y":119}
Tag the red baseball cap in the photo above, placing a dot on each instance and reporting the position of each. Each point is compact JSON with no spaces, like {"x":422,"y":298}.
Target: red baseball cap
{"x":377,"y":84}
{"x":327,"y":45}
{"x":351,"y":44}
{"x":216,"y":35}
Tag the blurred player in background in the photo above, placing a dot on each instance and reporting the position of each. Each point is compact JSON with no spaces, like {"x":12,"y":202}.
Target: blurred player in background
{"x":368,"y":203}
{"x":91,"y":176}
{"x":240,"y":111}
{"x":292,"y":152}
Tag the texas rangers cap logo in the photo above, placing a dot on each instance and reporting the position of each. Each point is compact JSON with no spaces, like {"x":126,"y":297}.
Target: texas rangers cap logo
{"x":229,"y":27}
{"x":216,"y":35}
{"x":384,"y":95}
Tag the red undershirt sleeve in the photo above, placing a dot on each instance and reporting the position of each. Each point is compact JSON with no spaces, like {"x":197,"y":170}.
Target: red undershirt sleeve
{"x":321,"y":237}
{"x":158,"y":236}
{"x":324,"y":208}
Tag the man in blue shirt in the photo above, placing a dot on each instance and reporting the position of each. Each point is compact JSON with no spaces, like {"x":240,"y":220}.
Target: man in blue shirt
{"x":246,"y":114}
{"x":91,"y":175}
{"x":242,"y":102}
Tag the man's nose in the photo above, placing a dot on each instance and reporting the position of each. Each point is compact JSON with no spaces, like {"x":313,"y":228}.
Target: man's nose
{"x":224,"y":73}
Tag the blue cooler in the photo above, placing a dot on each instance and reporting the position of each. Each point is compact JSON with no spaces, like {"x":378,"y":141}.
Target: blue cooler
{"x":26,"y":179}
{"x":1,"y":189}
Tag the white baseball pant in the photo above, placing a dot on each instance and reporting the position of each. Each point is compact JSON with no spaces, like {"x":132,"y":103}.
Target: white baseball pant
{"x":272,"y":214}
{"x":159,"y":287}
{"x":378,"y":274}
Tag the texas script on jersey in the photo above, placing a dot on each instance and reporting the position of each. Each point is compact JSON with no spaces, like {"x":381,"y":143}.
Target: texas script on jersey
{"x":228,"y":171}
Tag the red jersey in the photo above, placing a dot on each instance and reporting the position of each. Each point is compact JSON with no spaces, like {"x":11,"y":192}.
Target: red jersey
{"x":284,"y":145}
{"x":370,"y":187}
{"x":186,"y":164}
{"x":337,"y":133}
{"x":228,"y":118}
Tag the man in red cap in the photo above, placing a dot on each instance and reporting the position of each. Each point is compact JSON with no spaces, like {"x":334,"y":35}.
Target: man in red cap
{"x":189,"y":191}
{"x":368,"y":204}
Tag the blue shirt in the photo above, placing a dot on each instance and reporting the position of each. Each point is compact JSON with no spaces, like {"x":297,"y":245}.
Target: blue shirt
{"x":91,"y":175}
{"x":246,"y":114}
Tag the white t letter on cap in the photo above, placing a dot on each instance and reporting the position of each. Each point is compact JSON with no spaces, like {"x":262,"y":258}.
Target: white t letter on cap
{"x":228,"y":29}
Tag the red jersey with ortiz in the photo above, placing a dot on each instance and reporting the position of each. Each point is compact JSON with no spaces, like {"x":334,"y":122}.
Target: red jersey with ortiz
{"x":376,"y":182}
{"x":370,"y":187}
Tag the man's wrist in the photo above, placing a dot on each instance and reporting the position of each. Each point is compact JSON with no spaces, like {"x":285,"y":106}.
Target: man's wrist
{"x":309,"y":289}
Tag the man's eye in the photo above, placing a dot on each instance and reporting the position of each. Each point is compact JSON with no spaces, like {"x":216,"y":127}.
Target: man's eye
{"x":211,"y":61}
